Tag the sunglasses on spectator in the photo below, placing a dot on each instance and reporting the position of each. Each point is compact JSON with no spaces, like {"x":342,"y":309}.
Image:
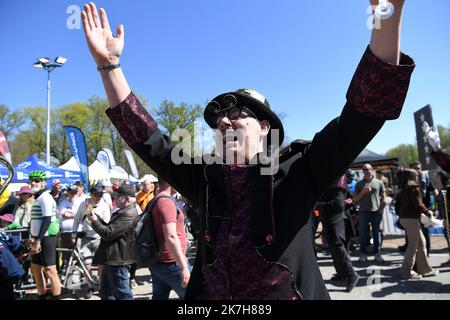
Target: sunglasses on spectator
{"x":365,"y":169}
{"x":36,"y":180}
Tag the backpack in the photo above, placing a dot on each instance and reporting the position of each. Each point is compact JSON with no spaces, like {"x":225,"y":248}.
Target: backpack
{"x":146,"y":246}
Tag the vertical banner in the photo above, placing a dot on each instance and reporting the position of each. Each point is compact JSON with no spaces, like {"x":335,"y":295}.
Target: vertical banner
{"x":112,"y":160}
{"x":423,"y":146}
{"x":103,"y":158}
{"x":132,"y":164}
{"x":4,"y":148}
{"x":77,"y":144}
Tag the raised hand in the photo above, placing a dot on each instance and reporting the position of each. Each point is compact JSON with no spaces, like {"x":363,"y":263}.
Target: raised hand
{"x":433,"y":136}
{"x":105,"y":48}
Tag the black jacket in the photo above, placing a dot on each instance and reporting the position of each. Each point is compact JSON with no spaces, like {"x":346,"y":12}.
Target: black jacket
{"x":281,"y":219}
{"x":117,"y":240}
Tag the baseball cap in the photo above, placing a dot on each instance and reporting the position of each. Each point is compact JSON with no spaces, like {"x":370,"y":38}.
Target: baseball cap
{"x":125,"y":190}
{"x":7,"y":217}
{"x":73,"y":188}
{"x":97,"y":188}
{"x":24,"y":190}
{"x":56,"y":182}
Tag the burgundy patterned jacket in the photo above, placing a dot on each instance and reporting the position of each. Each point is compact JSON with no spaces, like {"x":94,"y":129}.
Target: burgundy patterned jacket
{"x":270,"y":254}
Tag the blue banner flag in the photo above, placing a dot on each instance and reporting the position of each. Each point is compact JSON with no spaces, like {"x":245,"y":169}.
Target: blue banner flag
{"x":77,"y":144}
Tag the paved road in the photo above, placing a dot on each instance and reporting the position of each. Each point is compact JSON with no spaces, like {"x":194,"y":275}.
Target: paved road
{"x":377,"y":281}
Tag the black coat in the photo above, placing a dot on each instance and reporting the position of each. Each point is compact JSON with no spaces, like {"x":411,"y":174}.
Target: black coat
{"x":117,"y":239}
{"x":282,"y":202}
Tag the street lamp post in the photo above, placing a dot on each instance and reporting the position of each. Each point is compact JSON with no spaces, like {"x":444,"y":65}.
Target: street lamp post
{"x":49,"y":65}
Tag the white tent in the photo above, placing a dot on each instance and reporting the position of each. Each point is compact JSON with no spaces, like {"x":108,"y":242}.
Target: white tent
{"x":117,"y":172}
{"x":71,"y":165}
{"x":97,"y":171}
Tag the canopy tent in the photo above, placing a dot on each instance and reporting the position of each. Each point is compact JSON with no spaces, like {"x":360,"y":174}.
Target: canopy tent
{"x":375,"y":159}
{"x":98,"y":172}
{"x":4,"y":173}
{"x":22,"y":170}
{"x":71,"y":165}
{"x":118,"y":173}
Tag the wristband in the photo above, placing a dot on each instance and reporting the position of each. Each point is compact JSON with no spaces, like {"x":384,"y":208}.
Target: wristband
{"x":108,"y":67}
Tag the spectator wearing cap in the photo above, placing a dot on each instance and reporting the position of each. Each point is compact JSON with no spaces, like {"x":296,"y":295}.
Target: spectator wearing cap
{"x":57,"y":191}
{"x":66,"y":213}
{"x":146,"y":194}
{"x":116,"y":249}
{"x":90,"y":240}
{"x":6,"y":220}
{"x":81,"y":194}
{"x":107,"y":191}
{"x":22,"y":211}
{"x":350,"y":179}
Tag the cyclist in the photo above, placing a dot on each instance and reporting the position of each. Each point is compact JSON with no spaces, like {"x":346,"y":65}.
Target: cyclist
{"x":44,"y":228}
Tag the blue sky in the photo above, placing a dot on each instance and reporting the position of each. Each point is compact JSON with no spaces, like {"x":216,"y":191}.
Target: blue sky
{"x":300,"y":54}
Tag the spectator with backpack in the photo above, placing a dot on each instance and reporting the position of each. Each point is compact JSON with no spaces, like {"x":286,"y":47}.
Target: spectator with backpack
{"x":116,"y":249}
{"x":172,"y":271}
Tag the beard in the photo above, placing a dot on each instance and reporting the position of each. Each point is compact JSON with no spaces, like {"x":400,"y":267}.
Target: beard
{"x":35,"y":189}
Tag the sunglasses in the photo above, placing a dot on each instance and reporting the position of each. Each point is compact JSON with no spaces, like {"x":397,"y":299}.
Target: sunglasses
{"x":36,"y":180}
{"x":365,"y":169}
{"x":229,"y":108}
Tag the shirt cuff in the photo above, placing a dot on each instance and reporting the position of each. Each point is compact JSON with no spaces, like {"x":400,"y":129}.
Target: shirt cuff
{"x":379,"y":89}
{"x":132,"y":121}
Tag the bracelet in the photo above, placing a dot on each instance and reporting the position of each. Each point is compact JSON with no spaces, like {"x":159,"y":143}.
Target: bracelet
{"x":108,"y":67}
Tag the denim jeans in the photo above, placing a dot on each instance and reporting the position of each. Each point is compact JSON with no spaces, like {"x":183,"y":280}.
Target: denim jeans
{"x":115,"y":284}
{"x":374,"y":218}
{"x":166,"y":277}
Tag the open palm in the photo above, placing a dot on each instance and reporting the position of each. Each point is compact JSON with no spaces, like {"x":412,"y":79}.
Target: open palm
{"x":105,"y":48}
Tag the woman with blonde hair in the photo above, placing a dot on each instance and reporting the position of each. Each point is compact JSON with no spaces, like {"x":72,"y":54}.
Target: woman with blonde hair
{"x":410,"y":208}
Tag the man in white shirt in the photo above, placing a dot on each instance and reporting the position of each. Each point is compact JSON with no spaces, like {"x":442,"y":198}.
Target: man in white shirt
{"x":107,"y":189}
{"x":66,"y":213}
{"x":91,"y":240}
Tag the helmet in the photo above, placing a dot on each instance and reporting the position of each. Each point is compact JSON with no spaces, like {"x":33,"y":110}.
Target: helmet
{"x":37,"y":174}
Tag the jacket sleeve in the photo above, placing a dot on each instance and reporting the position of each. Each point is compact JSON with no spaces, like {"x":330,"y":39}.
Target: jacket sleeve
{"x":416,"y":200}
{"x":333,"y":203}
{"x":140,"y":132}
{"x":376,"y":94}
{"x":115,"y":229}
{"x":442,"y":158}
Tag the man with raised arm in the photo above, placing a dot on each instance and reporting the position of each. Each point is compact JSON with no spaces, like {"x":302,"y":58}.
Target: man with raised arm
{"x":257,"y":240}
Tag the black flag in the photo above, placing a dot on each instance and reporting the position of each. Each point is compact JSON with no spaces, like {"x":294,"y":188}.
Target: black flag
{"x":423,"y":146}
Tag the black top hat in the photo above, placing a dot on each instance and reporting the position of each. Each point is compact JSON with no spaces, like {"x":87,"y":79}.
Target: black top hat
{"x":250,"y":99}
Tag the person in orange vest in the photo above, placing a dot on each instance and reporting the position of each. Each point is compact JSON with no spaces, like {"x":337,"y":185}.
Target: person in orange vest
{"x":147,"y":193}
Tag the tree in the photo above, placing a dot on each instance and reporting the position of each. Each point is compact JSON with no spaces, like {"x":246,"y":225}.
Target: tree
{"x":10,"y":121}
{"x":183,"y":116}
{"x":406,"y":153}
{"x":74,"y":114}
{"x":444,"y":134}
